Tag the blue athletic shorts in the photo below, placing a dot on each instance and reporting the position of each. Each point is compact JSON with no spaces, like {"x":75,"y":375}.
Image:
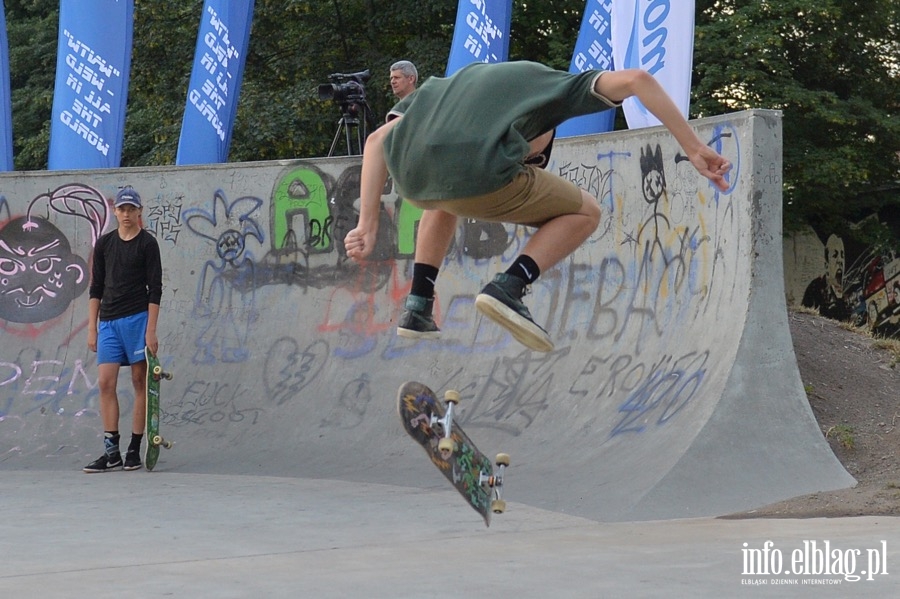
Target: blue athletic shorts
{"x":122,"y":341}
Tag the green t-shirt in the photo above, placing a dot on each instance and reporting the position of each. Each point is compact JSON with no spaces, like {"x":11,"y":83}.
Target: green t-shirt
{"x":468,"y":134}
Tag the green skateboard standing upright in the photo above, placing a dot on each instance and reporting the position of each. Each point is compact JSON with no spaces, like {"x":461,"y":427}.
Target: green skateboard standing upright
{"x":155,"y":373}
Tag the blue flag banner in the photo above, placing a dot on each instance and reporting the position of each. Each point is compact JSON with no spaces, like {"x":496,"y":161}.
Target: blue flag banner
{"x":6,"y":148}
{"x":93,"y":62}
{"x":657,"y":36}
{"x":481,"y":33}
{"x":593,"y":50}
{"x":212,"y":99}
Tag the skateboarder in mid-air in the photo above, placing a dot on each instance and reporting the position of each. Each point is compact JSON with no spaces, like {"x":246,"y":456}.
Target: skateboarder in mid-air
{"x":126,"y":287}
{"x":462,"y":146}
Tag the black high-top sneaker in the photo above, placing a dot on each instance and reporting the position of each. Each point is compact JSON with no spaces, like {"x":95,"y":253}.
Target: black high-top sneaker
{"x":111,"y":458}
{"x":416,"y":321}
{"x":132,"y":460}
{"x":501,"y":301}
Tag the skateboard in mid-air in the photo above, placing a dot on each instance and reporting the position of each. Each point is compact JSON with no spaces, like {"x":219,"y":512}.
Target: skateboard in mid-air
{"x":155,"y":374}
{"x":433,"y":427}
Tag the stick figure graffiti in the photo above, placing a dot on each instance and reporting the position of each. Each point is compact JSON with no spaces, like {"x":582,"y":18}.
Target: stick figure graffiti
{"x":226,"y":290}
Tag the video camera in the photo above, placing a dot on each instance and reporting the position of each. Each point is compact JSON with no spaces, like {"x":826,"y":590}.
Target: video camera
{"x":349,"y":91}
{"x":346,"y":89}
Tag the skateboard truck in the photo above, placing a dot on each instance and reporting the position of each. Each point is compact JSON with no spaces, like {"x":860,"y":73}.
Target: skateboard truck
{"x":447,"y":445}
{"x":158,"y":441}
{"x":495,"y":482}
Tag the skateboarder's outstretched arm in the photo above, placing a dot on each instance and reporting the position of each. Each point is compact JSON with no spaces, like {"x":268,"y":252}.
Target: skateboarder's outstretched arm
{"x":619,"y":85}
{"x":360,"y":241}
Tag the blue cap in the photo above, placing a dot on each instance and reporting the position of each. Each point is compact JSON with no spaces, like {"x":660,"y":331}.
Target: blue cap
{"x":128,"y":195}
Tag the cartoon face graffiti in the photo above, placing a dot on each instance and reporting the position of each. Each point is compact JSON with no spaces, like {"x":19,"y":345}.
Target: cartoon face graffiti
{"x":39,"y":274}
{"x":653,"y":176}
{"x":230,"y":245}
{"x":834,"y":264}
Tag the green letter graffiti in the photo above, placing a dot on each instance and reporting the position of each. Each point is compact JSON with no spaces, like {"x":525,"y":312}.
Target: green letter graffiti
{"x":406,"y":228}
{"x":301,"y":191}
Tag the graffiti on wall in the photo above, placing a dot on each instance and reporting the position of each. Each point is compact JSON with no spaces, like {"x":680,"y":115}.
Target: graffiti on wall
{"x":40,"y":274}
{"x":225,"y":300}
{"x":855,"y":281}
{"x":247,"y":263}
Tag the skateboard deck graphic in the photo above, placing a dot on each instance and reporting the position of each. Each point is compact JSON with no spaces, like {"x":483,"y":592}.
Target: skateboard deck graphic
{"x":427,"y":421}
{"x":155,"y":373}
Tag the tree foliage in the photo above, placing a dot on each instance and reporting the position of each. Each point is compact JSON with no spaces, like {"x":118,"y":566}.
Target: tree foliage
{"x":831,"y":66}
{"x":32,"y":28}
{"x":165,"y":34}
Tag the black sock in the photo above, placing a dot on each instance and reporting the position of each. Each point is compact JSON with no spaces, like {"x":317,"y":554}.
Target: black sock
{"x":524,"y":268}
{"x":424,"y":278}
{"x":135,"y":444}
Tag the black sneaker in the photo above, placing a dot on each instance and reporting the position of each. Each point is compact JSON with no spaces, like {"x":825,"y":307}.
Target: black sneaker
{"x":132,"y":460}
{"x":105,"y":463}
{"x":500,"y":300}
{"x":416,"y":321}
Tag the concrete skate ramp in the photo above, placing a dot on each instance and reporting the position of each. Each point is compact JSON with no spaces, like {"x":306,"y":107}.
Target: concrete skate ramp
{"x":673,"y":390}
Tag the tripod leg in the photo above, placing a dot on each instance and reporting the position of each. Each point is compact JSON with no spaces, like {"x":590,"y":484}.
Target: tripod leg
{"x":359,"y":139}
{"x":337,"y":136}
{"x":347,"y":139}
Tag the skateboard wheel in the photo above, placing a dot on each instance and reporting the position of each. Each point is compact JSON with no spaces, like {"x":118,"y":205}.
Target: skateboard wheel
{"x":157,"y":370}
{"x":502,"y":459}
{"x":446,"y":446}
{"x":451,"y":396}
{"x":156,"y":440}
{"x":498,"y":506}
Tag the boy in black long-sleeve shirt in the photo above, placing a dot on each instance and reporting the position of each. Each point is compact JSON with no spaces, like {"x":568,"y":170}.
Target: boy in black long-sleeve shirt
{"x":125,"y":291}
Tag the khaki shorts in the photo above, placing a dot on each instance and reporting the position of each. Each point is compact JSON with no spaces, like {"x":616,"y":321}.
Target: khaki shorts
{"x":534,"y":197}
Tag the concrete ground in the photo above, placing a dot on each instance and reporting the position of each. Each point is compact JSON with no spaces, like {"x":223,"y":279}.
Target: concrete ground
{"x":165,"y":534}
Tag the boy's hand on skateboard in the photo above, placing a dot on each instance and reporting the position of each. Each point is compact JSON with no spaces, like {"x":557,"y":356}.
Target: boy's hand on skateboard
{"x":152,"y":343}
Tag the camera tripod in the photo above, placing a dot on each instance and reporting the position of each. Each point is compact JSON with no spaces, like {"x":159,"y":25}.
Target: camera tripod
{"x":350,"y":121}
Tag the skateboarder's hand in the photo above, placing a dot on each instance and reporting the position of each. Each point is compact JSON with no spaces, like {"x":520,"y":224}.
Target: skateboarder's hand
{"x":92,"y":339}
{"x":712,"y":166}
{"x":359,"y":243}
